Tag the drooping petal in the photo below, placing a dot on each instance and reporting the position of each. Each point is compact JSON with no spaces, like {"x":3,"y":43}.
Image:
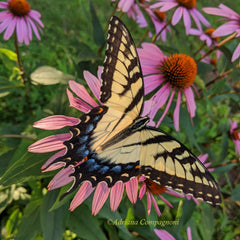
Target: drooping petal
{"x":83,"y":193}
{"x":94,"y":83}
{"x":20,"y":29}
{"x":167,"y":107}
{"x":116,"y":195}
{"x":4,"y":5}
{"x":50,"y":143}
{"x":61,"y":178}
{"x":78,"y":103}
{"x":152,"y":82}
{"x":155,"y":205}
{"x":186,"y":20}
{"x":47,"y":167}
{"x":163,"y":234}
{"x":11,"y":27}
{"x":189,"y":234}
{"x":132,"y":189}
{"x":191,"y":105}
{"x":142,"y":190}
{"x":177,"y":112}
{"x":56,"y":122}
{"x":82,"y":93}
{"x":236,"y":53}
{"x":100,"y":197}
{"x":165,"y":201}
{"x":177,"y":15}
{"x":149,"y":202}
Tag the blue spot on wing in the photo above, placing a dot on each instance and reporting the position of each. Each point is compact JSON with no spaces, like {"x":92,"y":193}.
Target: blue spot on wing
{"x":117,"y":169}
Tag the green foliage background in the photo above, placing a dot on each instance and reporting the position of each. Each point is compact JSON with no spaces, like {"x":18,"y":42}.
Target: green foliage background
{"x":72,"y":41}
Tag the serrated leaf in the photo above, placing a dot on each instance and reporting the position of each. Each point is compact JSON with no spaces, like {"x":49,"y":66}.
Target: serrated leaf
{"x":31,"y":217}
{"x":53,"y":223}
{"x":10,"y":54}
{"x":98,"y":34}
{"x":85,"y":225}
{"x":47,"y":75}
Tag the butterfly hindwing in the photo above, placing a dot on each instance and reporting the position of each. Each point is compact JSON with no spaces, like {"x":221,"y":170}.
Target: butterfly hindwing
{"x":169,"y":163}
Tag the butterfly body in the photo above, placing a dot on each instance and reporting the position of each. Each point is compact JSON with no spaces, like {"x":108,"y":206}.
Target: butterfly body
{"x":113,"y":143}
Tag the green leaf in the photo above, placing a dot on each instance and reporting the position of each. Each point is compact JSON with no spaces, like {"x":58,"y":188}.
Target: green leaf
{"x":53,"y":223}
{"x":47,"y":75}
{"x":10,"y":54}
{"x":98,"y":34}
{"x":13,"y":221}
{"x":31,"y":217}
{"x":207,"y":222}
{"x":26,"y":168}
{"x":236,"y":194}
{"x":85,"y":225}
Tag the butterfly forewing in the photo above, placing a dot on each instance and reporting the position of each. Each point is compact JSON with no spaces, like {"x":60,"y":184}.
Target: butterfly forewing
{"x":122,"y":84}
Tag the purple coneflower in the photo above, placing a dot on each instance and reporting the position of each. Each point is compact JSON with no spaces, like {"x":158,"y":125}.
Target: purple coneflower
{"x":151,"y":188}
{"x":205,"y":36}
{"x":235,"y":135}
{"x":159,"y":20}
{"x":175,"y":74}
{"x":83,"y":102}
{"x":232,"y":25}
{"x":19,"y":17}
{"x":185,"y":9}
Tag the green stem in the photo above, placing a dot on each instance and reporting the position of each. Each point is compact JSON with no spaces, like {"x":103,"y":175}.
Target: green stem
{"x":218,"y":46}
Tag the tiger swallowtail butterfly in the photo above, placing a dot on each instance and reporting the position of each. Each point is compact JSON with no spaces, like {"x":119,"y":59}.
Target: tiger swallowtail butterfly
{"x":114,"y":143}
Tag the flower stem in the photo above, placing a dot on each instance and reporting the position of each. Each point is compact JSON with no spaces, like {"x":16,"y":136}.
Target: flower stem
{"x":218,"y":46}
{"x":220,"y":76}
{"x":154,"y":38}
{"x":202,"y":46}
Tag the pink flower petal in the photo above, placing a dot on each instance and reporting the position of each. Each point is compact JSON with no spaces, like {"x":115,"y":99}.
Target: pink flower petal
{"x":197,"y":16}
{"x":3,"y":5}
{"x":155,"y":205}
{"x":174,"y":193}
{"x":100,"y":197}
{"x":11,"y":27}
{"x":189,"y":234}
{"x":83,"y":193}
{"x":160,"y":98}
{"x":142,"y":190}
{"x":186,"y":20}
{"x":165,"y":201}
{"x":163,"y":234}
{"x":61,"y":178}
{"x":50,"y":143}
{"x":152,"y":82}
{"x":236,"y":53}
{"x":149,"y":203}
{"x":6,"y":22}
{"x":56,"y":122}
{"x":81,"y":92}
{"x":167,"y":107}
{"x":78,"y":103}
{"x":47,"y":167}
{"x":191,"y":105}
{"x":20,"y":29}
{"x":225,"y":29}
{"x":177,"y":112}
{"x":177,"y":15}
{"x":132,"y":189}
{"x":3,"y":15}
{"x":116,"y":195}
{"x":94,"y":84}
